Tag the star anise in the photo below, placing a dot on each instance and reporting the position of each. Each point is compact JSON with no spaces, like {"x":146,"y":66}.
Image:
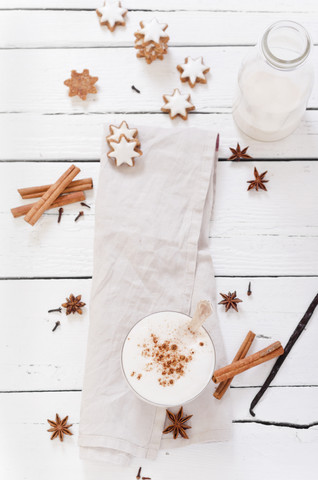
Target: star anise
{"x":59,"y":428}
{"x":81,"y":84}
{"x":74,"y":304}
{"x":238,"y":153}
{"x":230,"y":301}
{"x":178,"y":426}
{"x":258,"y":182}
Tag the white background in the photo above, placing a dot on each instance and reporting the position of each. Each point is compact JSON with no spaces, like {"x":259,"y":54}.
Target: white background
{"x":268,"y":238}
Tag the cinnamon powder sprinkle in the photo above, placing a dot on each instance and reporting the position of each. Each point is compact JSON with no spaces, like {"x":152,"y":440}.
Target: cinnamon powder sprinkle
{"x":166,"y":358}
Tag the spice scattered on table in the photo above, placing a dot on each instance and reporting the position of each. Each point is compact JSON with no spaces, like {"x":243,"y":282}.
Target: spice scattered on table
{"x":249,"y":291}
{"x":55,"y":310}
{"x":61,"y":210}
{"x":242,"y":352}
{"x":80,"y":214}
{"x":59,"y":428}
{"x":259,"y":181}
{"x":85,"y":205}
{"x":272,"y":351}
{"x":238,"y":154}
{"x":81,"y":84}
{"x":73,"y":304}
{"x":230,"y":301}
{"x":58,"y":323}
{"x":138,"y":476}
{"x":74,"y":186}
{"x":291,"y":342}
{"x":52,"y":194}
{"x":135,"y":89}
{"x":179,"y":424}
{"x":61,"y":200}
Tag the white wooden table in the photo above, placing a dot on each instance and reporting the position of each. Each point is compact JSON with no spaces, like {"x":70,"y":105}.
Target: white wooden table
{"x":268,"y":238}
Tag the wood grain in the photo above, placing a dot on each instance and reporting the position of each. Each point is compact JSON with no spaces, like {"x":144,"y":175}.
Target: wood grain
{"x":168,"y":5}
{"x":23,"y":433}
{"x":270,"y":235}
{"x":55,"y":360}
{"x":65,"y":28}
{"x":78,"y":137}
{"x":38,"y":91}
{"x":260,"y":233}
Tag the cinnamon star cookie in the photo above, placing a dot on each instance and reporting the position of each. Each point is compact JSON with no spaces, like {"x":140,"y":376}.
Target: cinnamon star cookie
{"x":193,"y":71}
{"x":124,"y":151}
{"x":111,"y":14}
{"x":177,"y":104}
{"x":81,"y":84}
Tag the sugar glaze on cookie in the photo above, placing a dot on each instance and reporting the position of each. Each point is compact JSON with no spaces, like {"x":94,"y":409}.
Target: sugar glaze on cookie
{"x":193,"y":71}
{"x":111,"y":14}
{"x":177,"y":104}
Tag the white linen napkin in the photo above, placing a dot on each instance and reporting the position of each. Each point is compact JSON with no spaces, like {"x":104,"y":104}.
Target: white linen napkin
{"x":151,"y":254}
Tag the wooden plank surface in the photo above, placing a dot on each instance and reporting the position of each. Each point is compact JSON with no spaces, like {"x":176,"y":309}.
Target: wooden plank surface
{"x":261,"y":233}
{"x":65,"y":28}
{"x":55,"y":360}
{"x":41,"y":88}
{"x":255,"y":451}
{"x":168,"y":5}
{"x":78,"y":137}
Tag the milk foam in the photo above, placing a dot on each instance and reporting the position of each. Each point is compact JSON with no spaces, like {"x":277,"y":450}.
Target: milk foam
{"x":143,"y":366}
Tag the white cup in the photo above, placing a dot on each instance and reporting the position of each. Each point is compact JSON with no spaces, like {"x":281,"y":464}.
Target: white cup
{"x":191,"y":356}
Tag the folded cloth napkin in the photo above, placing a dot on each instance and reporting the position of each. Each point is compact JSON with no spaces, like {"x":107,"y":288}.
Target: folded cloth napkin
{"x":151,"y":254}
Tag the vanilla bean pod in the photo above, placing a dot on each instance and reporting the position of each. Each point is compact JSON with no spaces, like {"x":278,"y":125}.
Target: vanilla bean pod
{"x":291,"y":342}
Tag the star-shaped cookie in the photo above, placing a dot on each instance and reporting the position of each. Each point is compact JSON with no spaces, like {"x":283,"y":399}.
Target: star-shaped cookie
{"x":111,"y":14}
{"x":124,"y":151}
{"x":193,"y":71}
{"x":123,"y":129}
{"x":177,"y":104}
{"x":152,"y":31}
{"x":81,"y":84}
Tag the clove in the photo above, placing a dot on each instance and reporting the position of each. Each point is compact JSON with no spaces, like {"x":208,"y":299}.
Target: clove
{"x":85,"y":205}
{"x":56,"y":325}
{"x":61,"y":210}
{"x":135,"y":89}
{"x":138,"y":474}
{"x":78,"y":216}
{"x":55,"y":310}
{"x":249,"y":291}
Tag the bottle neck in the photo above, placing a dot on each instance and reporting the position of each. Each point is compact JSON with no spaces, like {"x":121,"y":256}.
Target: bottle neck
{"x":285,"y":45}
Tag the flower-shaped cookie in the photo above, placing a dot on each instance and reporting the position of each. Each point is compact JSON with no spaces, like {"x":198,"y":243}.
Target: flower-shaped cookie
{"x":124,"y":151}
{"x":193,"y":71}
{"x":111,"y":14}
{"x":123,"y":129}
{"x":81,"y":84}
{"x":177,"y":104}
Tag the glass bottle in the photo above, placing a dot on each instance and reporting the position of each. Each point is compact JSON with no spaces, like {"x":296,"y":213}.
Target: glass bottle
{"x":274,"y":83}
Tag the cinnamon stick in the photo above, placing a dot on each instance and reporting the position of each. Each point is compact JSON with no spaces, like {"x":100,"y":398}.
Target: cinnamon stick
{"x":241,"y":353}
{"x":272,"y":351}
{"x":75,"y":186}
{"x":202,"y":312}
{"x":50,"y":195}
{"x":59,"y":202}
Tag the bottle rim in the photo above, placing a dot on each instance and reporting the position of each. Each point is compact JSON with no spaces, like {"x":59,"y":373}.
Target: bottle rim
{"x":282,"y":63}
